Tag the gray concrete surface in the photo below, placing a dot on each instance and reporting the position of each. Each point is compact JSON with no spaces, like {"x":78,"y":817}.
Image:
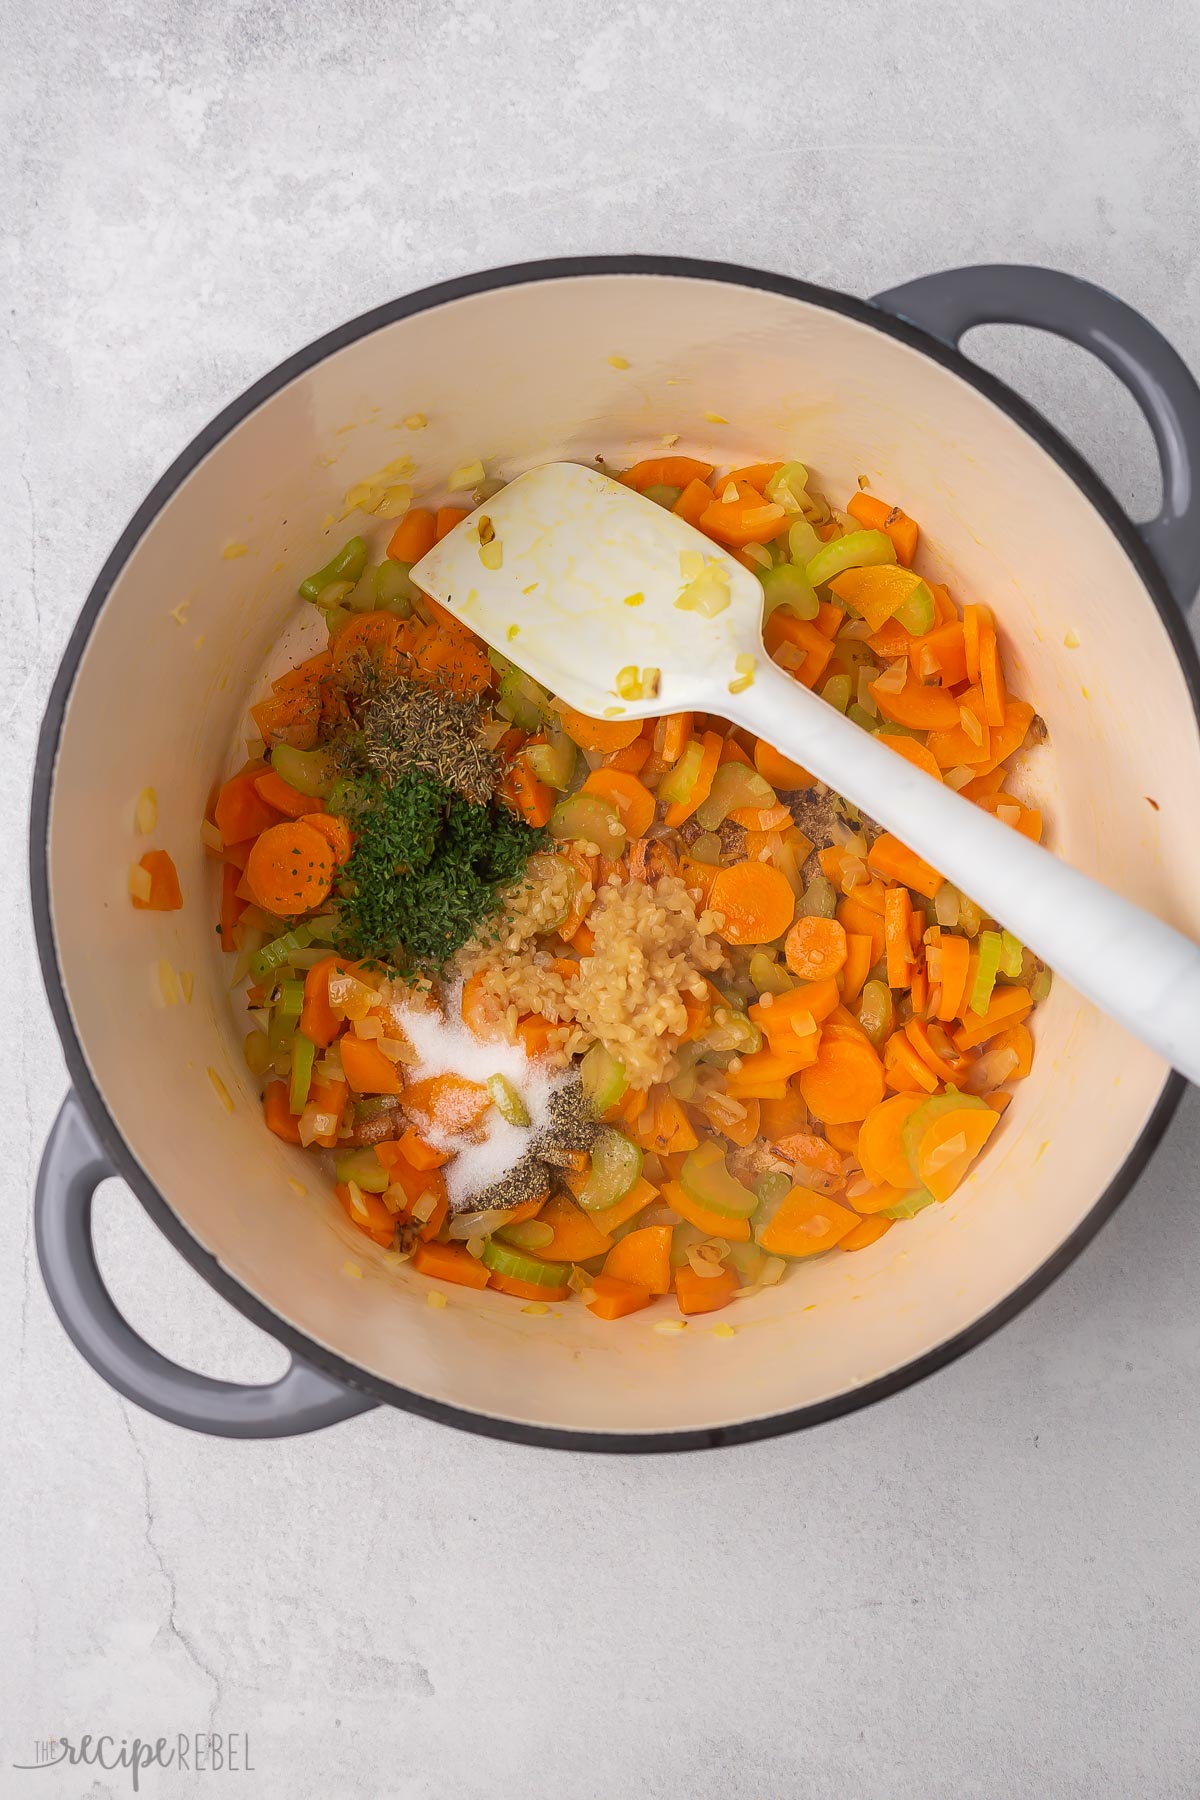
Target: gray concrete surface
{"x":987,"y":1587}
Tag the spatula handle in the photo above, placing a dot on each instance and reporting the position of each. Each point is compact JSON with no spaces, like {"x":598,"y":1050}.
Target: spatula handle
{"x":1140,"y":971}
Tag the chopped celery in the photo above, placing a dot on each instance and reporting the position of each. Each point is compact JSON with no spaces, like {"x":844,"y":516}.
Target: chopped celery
{"x":1039,"y":987}
{"x":877,"y":1011}
{"x":785,"y":585}
{"x":733,"y":785}
{"x":1012,"y":955}
{"x":662,"y":495}
{"x":554,"y":761}
{"x":768,"y":976}
{"x":686,"y":1237}
{"x":303,"y":1053}
{"x":308,"y":771}
{"x":986,"y":970}
{"x":518,"y":1266}
{"x":508,"y":1102}
{"x":322,"y":928}
{"x":364,"y":595}
{"x":394,"y":590}
{"x":335,"y":618}
{"x":364,"y":1169}
{"x":819,"y":900}
{"x":523,"y":701}
{"x":616,"y":1165}
{"x":836,"y":692}
{"x":788,"y":487}
{"x":771,"y":1186}
{"x":706,"y":1180}
{"x":501,"y":663}
{"x":346,"y":796}
{"x":749,"y":1259}
{"x":923,"y":1116}
{"x":970,"y":917}
{"x":803,"y":542}
{"x":732,"y":1033}
{"x":889,"y":730}
{"x":685,"y":1083}
{"x":917,"y":612}
{"x":861,"y":716}
{"x":678,"y":782}
{"x":289,"y":1001}
{"x":857,"y":550}
{"x":276,"y":955}
{"x":257,"y":1051}
{"x":526,"y":1234}
{"x":910,"y":1206}
{"x":586,"y":818}
{"x":707,"y":849}
{"x":347,"y":565}
{"x":374,"y":1106}
{"x":603,"y":1076}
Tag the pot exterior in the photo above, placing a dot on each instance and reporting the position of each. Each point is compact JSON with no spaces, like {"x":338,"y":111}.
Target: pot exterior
{"x":186,"y":623}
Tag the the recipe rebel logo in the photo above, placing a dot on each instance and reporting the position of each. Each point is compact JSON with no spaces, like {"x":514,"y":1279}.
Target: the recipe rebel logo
{"x":199,"y":1753}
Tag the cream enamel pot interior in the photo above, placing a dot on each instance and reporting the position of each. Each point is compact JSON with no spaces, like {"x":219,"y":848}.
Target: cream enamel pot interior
{"x":513,"y":367}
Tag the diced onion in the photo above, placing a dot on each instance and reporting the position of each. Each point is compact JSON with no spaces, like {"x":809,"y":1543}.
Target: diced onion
{"x":992,"y":1068}
{"x":168,"y":987}
{"x":357,"y":1203}
{"x":701,"y":1264}
{"x":425,"y":1207}
{"x":370,"y":1027}
{"x":894,"y":677}
{"x":970,"y":724}
{"x":211,"y":838}
{"x":491,"y":555}
{"x":958,"y":778}
{"x":139,"y":883}
{"x":1009,"y":815}
{"x":947,"y":905}
{"x":866,"y":698}
{"x":145,"y":812}
{"x":475,"y":1247}
{"x":220,"y":1090}
{"x":393,"y":502}
{"x":946,"y":1153}
{"x":467,"y":475}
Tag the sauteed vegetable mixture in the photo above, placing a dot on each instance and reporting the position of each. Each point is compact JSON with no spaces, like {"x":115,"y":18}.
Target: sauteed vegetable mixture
{"x":623,"y":1010}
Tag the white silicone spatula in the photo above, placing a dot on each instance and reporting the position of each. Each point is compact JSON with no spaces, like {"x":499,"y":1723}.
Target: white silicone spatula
{"x":582,"y":579}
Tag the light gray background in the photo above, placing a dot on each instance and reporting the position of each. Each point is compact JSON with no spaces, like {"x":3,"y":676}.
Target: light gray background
{"x":987,"y":1587}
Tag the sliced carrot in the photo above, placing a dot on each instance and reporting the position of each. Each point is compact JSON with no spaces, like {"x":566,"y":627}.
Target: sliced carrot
{"x":896,"y":862}
{"x":292,"y":718}
{"x":732,"y":751}
{"x":875,"y":592}
{"x":980,"y":785}
{"x":371,"y":636}
{"x":450,"y":1262}
{"x":904,"y":1070}
{"x":576,"y":1237}
{"x":859,"y":962}
{"x":700,"y":875}
{"x":829,"y":619}
{"x":703,"y":1293}
{"x":897,"y":919}
{"x":421,"y":1155}
{"x":941,"y":653}
{"x":1008,"y":738}
{"x":367,"y":1069}
{"x":756,"y":475}
{"x":528,"y":1290}
{"x":920,"y":708}
{"x":877,"y":515}
{"x":241,"y":812}
{"x":694,"y":501}
{"x":666,"y":471}
{"x":644,"y":1258}
{"x":368,"y":1214}
{"x":1018,"y":1039}
{"x":734,"y":1231}
{"x":612,"y":1298}
{"x":318,"y":1021}
{"x":814,"y":1152}
{"x":336,"y":832}
{"x":165,"y":894}
{"x":784,"y":628}
{"x":459,"y":663}
{"x":746,"y":519}
{"x":844,"y":1138}
{"x":756,"y":903}
{"x":1028,"y":820}
{"x":975,"y":619}
{"x":779,"y":1118}
{"x":597,"y":734}
{"x":278,"y":1114}
{"x":950,"y":1144}
{"x":440,"y":1103}
{"x":806,"y":1224}
{"x":290,"y":869}
{"x":955,"y":961}
{"x":780,"y":771}
{"x":414,"y":535}
{"x":913,"y":751}
{"x":287,"y":801}
{"x":867,"y":1233}
{"x":672,"y":734}
{"x":527,"y":794}
{"x":957,"y":746}
{"x":815,"y":948}
{"x":681,"y":810}
{"x":1007,"y":1006}
{"x":446,"y":518}
{"x":917,"y":1033}
{"x":631,"y":759}
{"x":844,"y":1083}
{"x":610,"y":1218}
{"x":999,"y":1100}
{"x":536,"y":1034}
{"x":634,"y":802}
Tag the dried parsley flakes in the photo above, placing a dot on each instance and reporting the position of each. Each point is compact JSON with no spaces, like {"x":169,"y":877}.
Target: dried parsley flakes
{"x":426,"y":869}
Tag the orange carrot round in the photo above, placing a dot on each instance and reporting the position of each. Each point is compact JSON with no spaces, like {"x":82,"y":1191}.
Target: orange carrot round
{"x":756,"y":901}
{"x":165,"y":893}
{"x":913,"y":751}
{"x":844,"y":1083}
{"x":336,"y":832}
{"x":815,"y":948}
{"x":779,"y":770}
{"x":290,"y":869}
{"x":632,"y":798}
{"x":414,"y":535}
{"x":597,"y":734}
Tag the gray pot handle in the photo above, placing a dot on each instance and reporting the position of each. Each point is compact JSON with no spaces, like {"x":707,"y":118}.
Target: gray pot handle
{"x":72,"y":1168}
{"x":949,"y":303}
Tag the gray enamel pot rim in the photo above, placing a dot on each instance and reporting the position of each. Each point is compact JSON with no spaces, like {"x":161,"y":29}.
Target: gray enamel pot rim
{"x":87,"y":1144}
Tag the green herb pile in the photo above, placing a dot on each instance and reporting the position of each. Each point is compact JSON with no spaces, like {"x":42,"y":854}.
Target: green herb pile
{"x":426,"y":869}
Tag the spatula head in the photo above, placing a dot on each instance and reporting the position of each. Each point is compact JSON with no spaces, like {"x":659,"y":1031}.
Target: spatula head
{"x":589,"y":586}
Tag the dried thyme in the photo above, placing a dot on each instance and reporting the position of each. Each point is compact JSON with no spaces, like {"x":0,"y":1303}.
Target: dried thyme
{"x":409,"y":725}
